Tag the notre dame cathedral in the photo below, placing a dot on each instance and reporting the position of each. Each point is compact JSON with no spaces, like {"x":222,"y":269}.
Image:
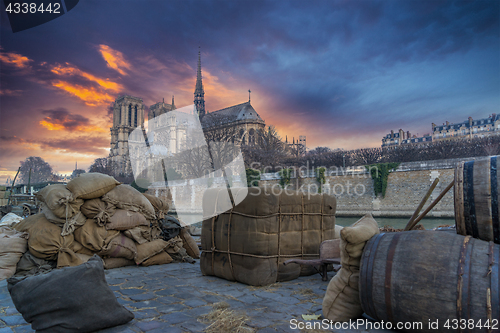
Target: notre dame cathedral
{"x":128,"y":113}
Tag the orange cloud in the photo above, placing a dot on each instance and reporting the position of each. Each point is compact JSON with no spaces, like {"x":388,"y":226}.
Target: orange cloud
{"x":14,"y":59}
{"x":58,"y":127}
{"x":114,"y":59}
{"x":90,"y":95}
{"x":51,"y":126}
{"x":69,"y":70}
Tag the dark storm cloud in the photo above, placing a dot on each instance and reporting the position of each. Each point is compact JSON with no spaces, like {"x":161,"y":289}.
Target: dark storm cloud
{"x":64,"y":118}
{"x":335,"y":66}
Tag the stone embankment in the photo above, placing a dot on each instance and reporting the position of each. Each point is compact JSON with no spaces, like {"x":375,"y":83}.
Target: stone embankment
{"x":353,"y":188}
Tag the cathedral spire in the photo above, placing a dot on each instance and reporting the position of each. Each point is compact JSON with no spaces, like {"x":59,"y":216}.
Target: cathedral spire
{"x":199,"y":93}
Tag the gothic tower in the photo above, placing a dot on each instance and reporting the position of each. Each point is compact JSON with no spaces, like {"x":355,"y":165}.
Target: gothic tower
{"x":199,"y":93}
{"x":128,"y":113}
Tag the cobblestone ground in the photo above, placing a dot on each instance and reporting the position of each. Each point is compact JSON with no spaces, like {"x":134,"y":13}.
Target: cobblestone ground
{"x":171,"y":298}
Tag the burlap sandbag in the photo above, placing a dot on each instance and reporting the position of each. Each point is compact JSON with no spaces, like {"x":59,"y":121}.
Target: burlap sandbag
{"x":127,"y":197}
{"x":341,"y":302}
{"x":93,"y":236}
{"x":30,"y":265}
{"x":160,"y":205}
{"x":140,"y":235}
{"x":124,"y":219}
{"x":120,"y":247}
{"x":149,"y":249}
{"x":161,"y":258}
{"x":28,"y":223}
{"x":250,"y":243}
{"x":68,"y":225}
{"x":91,"y":185}
{"x":78,"y":248}
{"x":189,"y":244}
{"x":99,"y":210}
{"x":13,"y":244}
{"x":69,"y":300}
{"x":110,"y":263}
{"x":177,"y":251}
{"x":45,"y":242}
{"x":60,"y":200}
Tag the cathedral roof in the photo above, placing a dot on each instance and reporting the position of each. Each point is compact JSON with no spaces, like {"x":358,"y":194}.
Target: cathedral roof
{"x":240,"y":112}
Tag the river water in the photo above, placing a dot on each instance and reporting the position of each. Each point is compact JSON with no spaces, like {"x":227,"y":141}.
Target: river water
{"x":398,"y":223}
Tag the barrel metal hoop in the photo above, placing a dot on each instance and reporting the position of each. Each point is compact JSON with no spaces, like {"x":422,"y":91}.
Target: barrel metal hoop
{"x":366,"y":284}
{"x":469,"y":199}
{"x":388,"y":275}
{"x":495,"y":276}
{"x":495,"y":219}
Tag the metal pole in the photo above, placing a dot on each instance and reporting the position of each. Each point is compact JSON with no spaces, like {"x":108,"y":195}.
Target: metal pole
{"x":29,"y":181}
{"x":12,"y":187}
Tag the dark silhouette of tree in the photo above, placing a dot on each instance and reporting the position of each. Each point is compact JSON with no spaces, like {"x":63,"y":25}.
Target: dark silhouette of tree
{"x":101,"y":165}
{"x":41,"y":171}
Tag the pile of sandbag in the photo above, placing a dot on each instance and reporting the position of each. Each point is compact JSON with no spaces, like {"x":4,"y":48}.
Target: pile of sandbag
{"x":95,"y":214}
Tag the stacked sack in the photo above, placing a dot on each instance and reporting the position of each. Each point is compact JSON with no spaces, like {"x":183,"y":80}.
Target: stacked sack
{"x":95,"y":214}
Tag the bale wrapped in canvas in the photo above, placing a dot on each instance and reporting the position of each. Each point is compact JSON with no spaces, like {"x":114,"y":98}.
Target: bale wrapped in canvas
{"x":250,"y":242}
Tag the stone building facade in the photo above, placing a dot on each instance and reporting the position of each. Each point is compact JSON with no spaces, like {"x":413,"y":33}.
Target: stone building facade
{"x":468,"y":129}
{"x":128,"y":113}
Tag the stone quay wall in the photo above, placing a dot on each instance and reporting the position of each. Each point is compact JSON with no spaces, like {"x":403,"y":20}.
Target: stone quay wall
{"x":352,"y":186}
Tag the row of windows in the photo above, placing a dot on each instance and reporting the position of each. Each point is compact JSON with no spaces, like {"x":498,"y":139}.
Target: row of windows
{"x":457,"y":126}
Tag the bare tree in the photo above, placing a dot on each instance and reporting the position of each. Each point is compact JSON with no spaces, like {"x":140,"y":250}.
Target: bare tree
{"x":269,"y":150}
{"x":101,"y":165}
{"x":41,"y":171}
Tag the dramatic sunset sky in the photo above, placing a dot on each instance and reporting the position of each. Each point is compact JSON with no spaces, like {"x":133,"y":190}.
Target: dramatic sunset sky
{"x":343,"y":73}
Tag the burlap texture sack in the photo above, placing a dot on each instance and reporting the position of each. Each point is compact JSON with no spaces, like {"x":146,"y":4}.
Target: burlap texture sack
{"x":83,"y":257}
{"x":189,"y":244}
{"x":149,"y":249}
{"x":140,"y":234}
{"x":29,"y":222}
{"x":110,"y":263}
{"x":174,"y":245}
{"x":155,"y":230}
{"x":127,"y":197}
{"x":124,"y":219}
{"x":250,"y":242}
{"x":91,"y":185}
{"x":45,"y":242}
{"x":68,"y":225}
{"x":341,"y":302}
{"x":13,"y":244}
{"x":93,"y":236}
{"x":161,"y":258}
{"x":78,"y":248}
{"x":30,"y":265}
{"x":60,"y":200}
{"x":120,"y":247}
{"x":160,"y":205}
{"x":99,"y":210}
{"x":69,"y":300}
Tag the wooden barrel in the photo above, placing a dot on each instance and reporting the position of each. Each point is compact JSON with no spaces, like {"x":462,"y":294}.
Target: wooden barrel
{"x":427,"y":276}
{"x":476,"y":199}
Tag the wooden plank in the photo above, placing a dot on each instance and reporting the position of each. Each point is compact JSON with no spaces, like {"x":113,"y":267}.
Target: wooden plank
{"x":482,"y":198}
